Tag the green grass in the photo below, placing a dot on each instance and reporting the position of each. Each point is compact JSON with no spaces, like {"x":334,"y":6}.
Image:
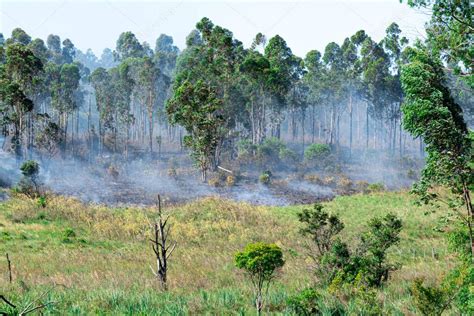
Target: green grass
{"x":103,"y":267}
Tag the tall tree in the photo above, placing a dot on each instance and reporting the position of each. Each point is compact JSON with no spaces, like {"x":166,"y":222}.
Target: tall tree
{"x":128,"y":46}
{"x":431,"y":113}
{"x":195,"y":106}
{"x":18,"y":75}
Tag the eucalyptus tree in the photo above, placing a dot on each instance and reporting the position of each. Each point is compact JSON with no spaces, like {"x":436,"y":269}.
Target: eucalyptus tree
{"x":128,"y":46}
{"x":451,"y":33}
{"x":100,"y":81}
{"x":352,"y":72}
{"x":19,"y":36}
{"x":107,"y":59}
{"x":63,"y":90}
{"x":54,"y":45}
{"x":39,"y":49}
{"x":286,"y":70}
{"x":376,"y":69}
{"x":314,"y":79}
{"x":147,"y":80}
{"x":212,"y":57}
{"x":256,"y":70}
{"x":122,"y":87}
{"x":165,"y":58}
{"x":166,"y":54}
{"x":195,"y":106}
{"x":68,"y":51}
{"x":394,"y":44}
{"x":335,"y":87}
{"x":431,"y":113}
{"x":18,"y":75}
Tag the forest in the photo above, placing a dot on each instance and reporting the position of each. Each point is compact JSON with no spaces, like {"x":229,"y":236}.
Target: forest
{"x":246,"y":178}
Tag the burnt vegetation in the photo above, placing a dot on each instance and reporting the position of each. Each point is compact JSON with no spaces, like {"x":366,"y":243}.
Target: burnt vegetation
{"x":253,"y":124}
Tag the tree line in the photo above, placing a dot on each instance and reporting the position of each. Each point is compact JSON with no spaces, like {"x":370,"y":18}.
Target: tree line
{"x":57,"y":100}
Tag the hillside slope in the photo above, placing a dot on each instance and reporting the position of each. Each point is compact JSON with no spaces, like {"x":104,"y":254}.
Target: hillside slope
{"x":95,"y":259}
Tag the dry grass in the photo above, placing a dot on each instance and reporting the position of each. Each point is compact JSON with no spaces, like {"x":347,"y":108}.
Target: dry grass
{"x":104,"y":268}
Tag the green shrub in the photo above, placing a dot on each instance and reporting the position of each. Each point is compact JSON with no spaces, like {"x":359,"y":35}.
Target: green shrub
{"x":429,"y":300}
{"x":265,"y":177}
{"x":305,"y":303}
{"x":270,"y":147}
{"x":376,"y":187}
{"x":41,"y":201}
{"x":288,"y":156}
{"x":260,"y":261}
{"x":317,"y":152}
{"x":29,"y":183}
{"x":335,"y":263}
{"x":68,"y":234}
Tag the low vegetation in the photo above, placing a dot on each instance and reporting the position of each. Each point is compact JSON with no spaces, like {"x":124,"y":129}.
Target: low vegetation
{"x":96,"y":259}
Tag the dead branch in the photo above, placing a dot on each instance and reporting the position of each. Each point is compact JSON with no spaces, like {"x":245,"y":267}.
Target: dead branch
{"x":162,"y":250}
{"x":9,"y":264}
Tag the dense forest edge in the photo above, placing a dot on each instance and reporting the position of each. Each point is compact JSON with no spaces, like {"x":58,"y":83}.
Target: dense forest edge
{"x":224,"y":179}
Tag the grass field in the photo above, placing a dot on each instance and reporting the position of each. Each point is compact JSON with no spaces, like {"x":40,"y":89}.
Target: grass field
{"x":91,"y":259}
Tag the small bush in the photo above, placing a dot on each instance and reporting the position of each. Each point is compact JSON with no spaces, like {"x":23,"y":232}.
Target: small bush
{"x":214,"y":182}
{"x":429,"y":300}
{"x":376,"y":187}
{"x":317,"y":153}
{"x":41,"y":201}
{"x":265,"y":177}
{"x":68,"y":234}
{"x":288,"y":156}
{"x":29,"y":183}
{"x":362,"y":186}
{"x":345,"y":184}
{"x":270,"y":148}
{"x":230,"y":181}
{"x":314,"y":179}
{"x":305,"y":303}
{"x":336,"y":264}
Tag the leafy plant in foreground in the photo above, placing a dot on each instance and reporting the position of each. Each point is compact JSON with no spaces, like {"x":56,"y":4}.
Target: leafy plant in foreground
{"x":260,"y":261}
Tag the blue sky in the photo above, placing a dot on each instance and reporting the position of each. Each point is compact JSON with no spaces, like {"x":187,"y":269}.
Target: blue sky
{"x":305,"y":25}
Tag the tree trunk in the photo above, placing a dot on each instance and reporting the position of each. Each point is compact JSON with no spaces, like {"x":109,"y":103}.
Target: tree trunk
{"x":350,"y":125}
{"x":150,"y":124}
{"x":367,"y":127}
{"x":470,"y":216}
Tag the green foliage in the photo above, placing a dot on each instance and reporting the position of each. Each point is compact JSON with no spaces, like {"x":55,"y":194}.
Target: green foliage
{"x":335,"y":263}
{"x":265,"y":177}
{"x":196,"y":107}
{"x":41,"y":201}
{"x":376,"y":187}
{"x":429,"y":300}
{"x":29,"y":184}
{"x":450,"y":33}
{"x":270,"y":148}
{"x":260,"y":261}
{"x":431,"y":113}
{"x":317,"y":154}
{"x":305,"y":303}
{"x":321,"y":226}
{"x":30,"y":168}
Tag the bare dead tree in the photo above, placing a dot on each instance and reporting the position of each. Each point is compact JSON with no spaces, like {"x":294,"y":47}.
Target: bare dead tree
{"x":161,"y":246}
